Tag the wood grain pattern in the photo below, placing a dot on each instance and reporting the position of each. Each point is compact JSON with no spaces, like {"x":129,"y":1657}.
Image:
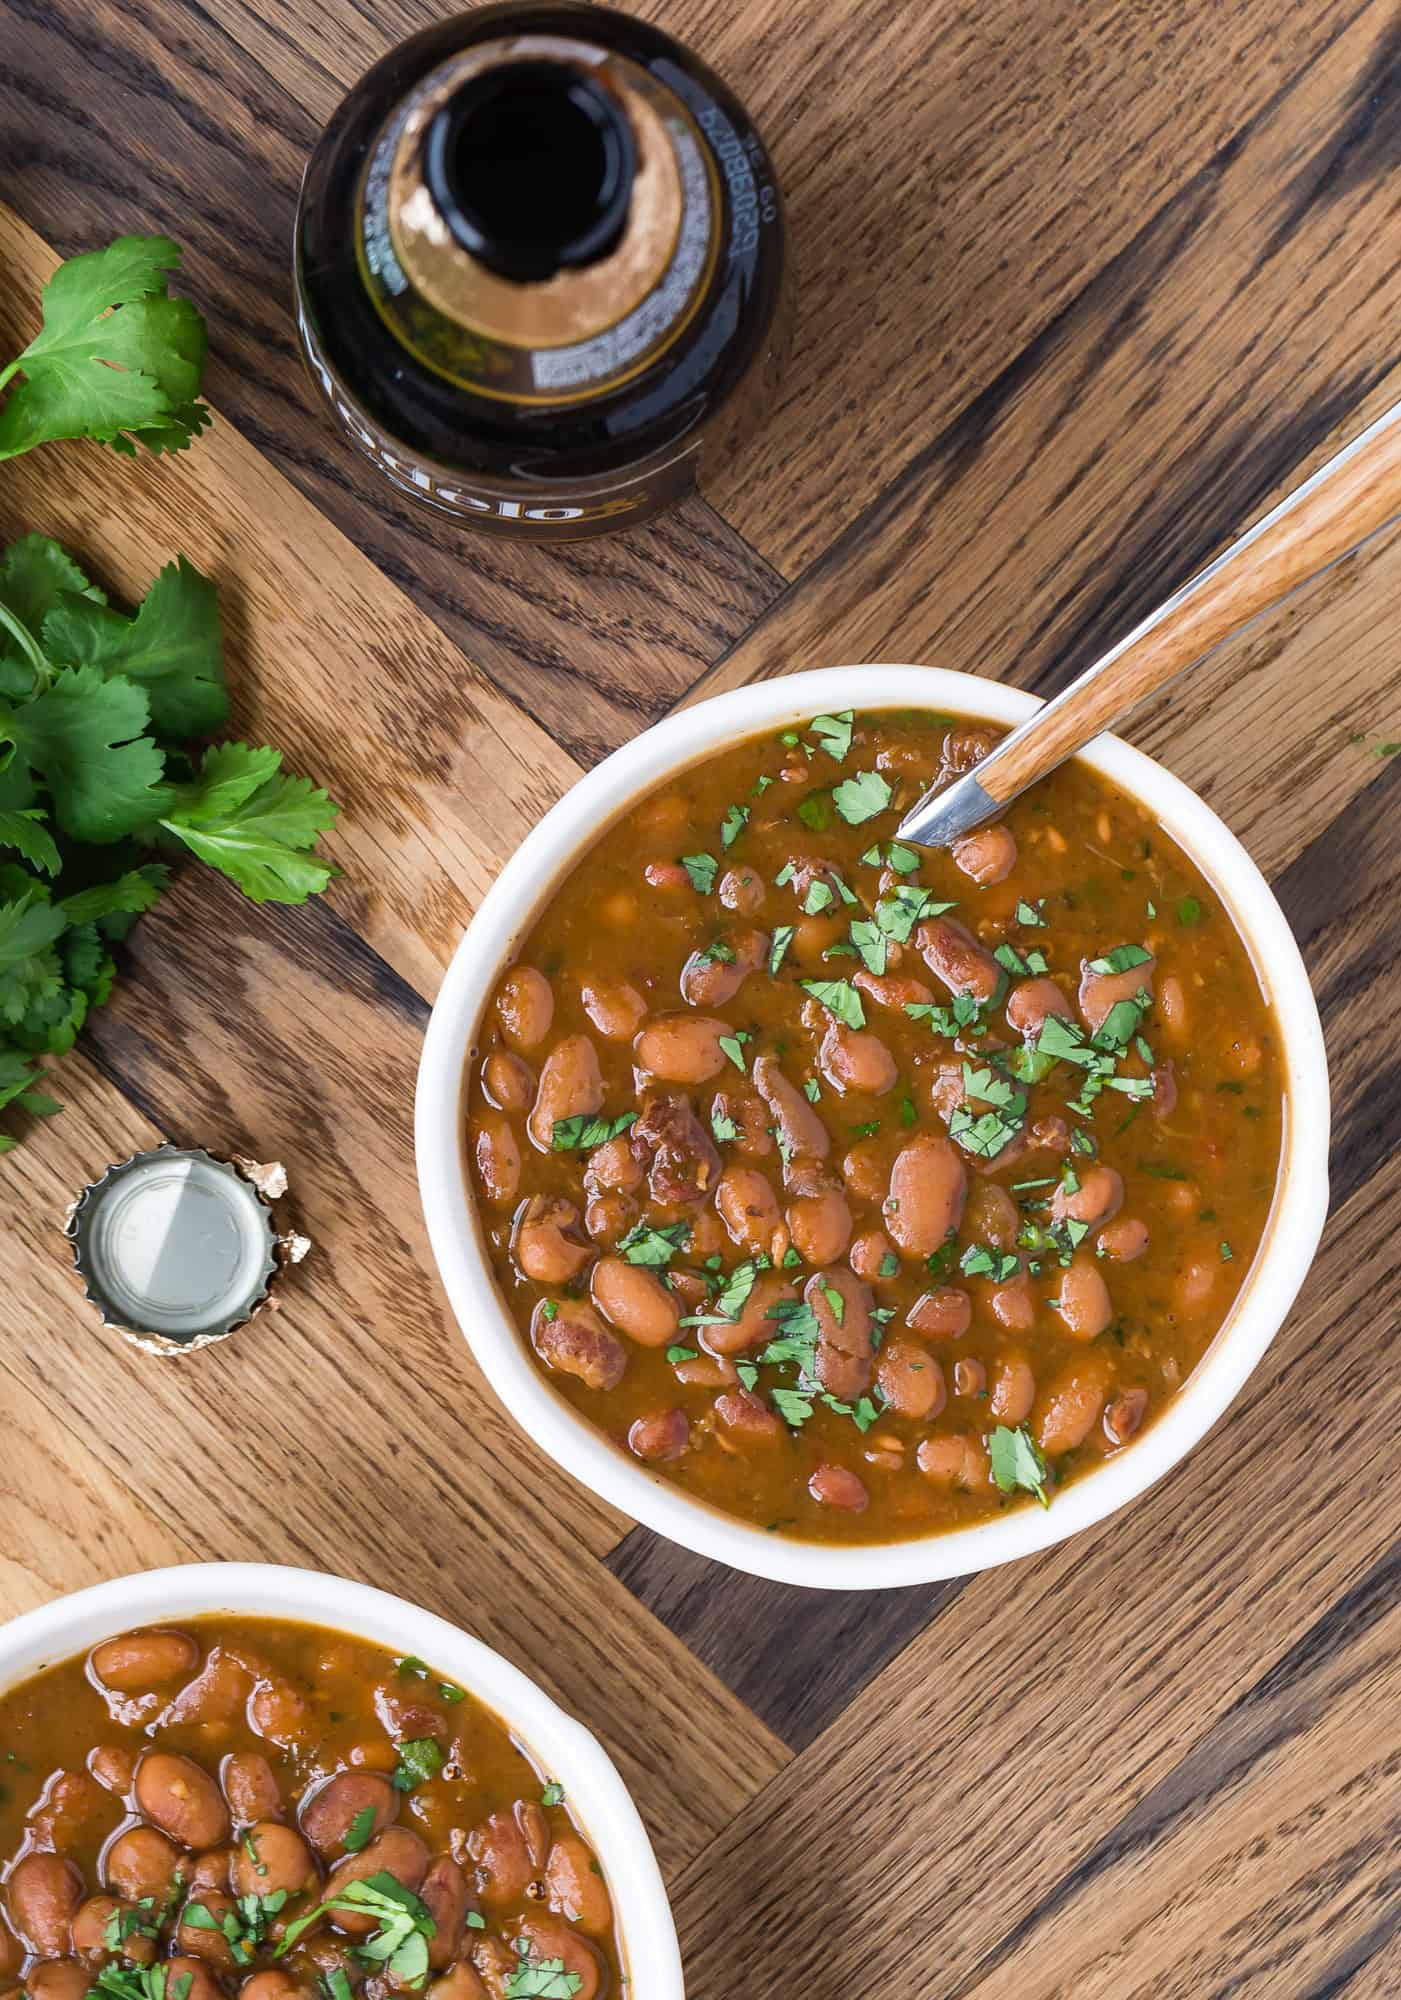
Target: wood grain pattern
{"x":1077,"y":305}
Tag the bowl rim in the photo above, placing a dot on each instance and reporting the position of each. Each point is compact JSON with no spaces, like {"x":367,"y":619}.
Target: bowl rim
{"x":602,"y":1804}
{"x":531,"y":875}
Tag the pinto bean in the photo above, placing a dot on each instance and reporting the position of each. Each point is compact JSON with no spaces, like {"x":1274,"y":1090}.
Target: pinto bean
{"x":992,"y":1216}
{"x":664,"y":1434}
{"x":272,"y":1984}
{"x":754,"y":1322}
{"x":114,"y":1767}
{"x":613,"y":1167}
{"x":249,"y":1786}
{"x":841,"y":1304}
{"x":508,"y":1081}
{"x":138,"y":1662}
{"x":180,"y":1798}
{"x":1196,"y":1281}
{"x":210,"y":1870}
{"x":675,"y":1149}
{"x":271,"y":1857}
{"x":970,"y":1377}
{"x":943,"y":1314}
{"x":399,"y":1852}
{"x":328,"y":1815}
{"x":953,"y":1461}
{"x":1164,"y":1089}
{"x":635,"y":1300}
{"x":910,"y":1380}
{"x":1069,"y":1405}
{"x":545,"y":1240}
{"x":535,"y":1828}
{"x":741,"y":890}
{"x":747,"y":1419}
{"x":525,"y":1006}
{"x":838,"y":1486}
{"x":616,"y":1009}
{"x":1099,"y":991}
{"x":896,"y":990}
{"x":1124,"y":1414}
{"x":707,"y":1371}
{"x":141,"y":1862}
{"x":669,"y":876}
{"x":1098,"y":1197}
{"x":1083,"y":1301}
{"x":748,"y":1207}
{"x":1123,"y":1240}
{"x":1013,"y":1390}
{"x":819,"y":1220}
{"x":867,"y":1254}
{"x":963,"y":748}
{"x":576,"y":1342}
{"x":854,"y":1059}
{"x":989,"y":855}
{"x":43,"y":1894}
{"x":928,"y":1183}
{"x":682,"y":1048}
{"x":571,"y":1085}
{"x":575,"y":1887}
{"x":866,"y":1169}
{"x":1172,"y":1008}
{"x":444,"y":1891}
{"x":711,"y":981}
{"x":548,"y":1937}
{"x":57,"y":1979}
{"x":1032,"y":1002}
{"x":1013,"y":1304}
{"x":203,"y":1984}
{"x":800,"y":1128}
{"x":496,"y":1156}
{"x":218,"y":1693}
{"x":503,"y":1861}
{"x":89,"y":1933}
{"x":957,"y":960}
{"x":197,"y":1939}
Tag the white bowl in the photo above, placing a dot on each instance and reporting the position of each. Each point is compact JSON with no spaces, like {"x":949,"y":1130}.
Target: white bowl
{"x":558,"y":1745}
{"x":525,"y":884}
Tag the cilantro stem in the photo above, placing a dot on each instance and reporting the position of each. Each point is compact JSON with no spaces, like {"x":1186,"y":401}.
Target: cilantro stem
{"x":21,"y":632}
{"x":7,"y":374}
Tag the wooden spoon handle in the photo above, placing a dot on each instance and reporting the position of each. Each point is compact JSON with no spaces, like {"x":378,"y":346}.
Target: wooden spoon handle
{"x":1351,"y":497}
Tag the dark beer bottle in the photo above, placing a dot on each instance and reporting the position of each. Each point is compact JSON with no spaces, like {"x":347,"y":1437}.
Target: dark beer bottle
{"x":540,"y":266}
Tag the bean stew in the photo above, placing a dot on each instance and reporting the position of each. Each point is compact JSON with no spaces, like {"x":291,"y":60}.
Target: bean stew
{"x":863,"y":1191}
{"x":250,"y":1808}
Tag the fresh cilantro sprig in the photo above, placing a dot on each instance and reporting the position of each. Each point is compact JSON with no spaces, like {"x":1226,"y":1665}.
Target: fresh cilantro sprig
{"x":403,"y":1926}
{"x":116,"y":359}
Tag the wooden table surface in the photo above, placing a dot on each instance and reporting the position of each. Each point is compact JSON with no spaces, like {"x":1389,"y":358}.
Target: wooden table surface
{"x":1084,"y":284}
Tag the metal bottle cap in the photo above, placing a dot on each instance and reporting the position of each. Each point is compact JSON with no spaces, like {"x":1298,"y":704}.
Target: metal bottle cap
{"x":175,"y":1248}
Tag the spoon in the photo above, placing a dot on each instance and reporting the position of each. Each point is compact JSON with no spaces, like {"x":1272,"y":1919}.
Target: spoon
{"x":1347,"y":500}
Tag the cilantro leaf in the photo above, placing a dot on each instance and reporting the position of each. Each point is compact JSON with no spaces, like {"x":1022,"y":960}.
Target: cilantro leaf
{"x":420,"y":1759}
{"x":541,"y":1979}
{"x":642,"y":1245}
{"x":862,"y":797}
{"x":702,"y":869}
{"x":733,"y":825}
{"x":1017,"y":1461}
{"x":35,"y":575}
{"x":173,"y":648}
{"x":833,"y":732}
{"x":116,"y":358}
{"x":258,"y":842}
{"x":571,"y":1134}
{"x":839,"y":997}
{"x":26,"y":833}
{"x":83,"y":736}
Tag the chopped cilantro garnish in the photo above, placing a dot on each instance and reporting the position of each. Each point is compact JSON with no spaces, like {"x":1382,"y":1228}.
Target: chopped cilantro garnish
{"x":733,"y":1047}
{"x":702,"y":869}
{"x":549,"y":1310}
{"x":1189,"y":911}
{"x":733,"y":825}
{"x":1017,"y":1461}
{"x":1029,"y":915}
{"x":553,"y":1795}
{"x":642,"y":1245}
{"x":812,"y":1090}
{"x":816,"y":811}
{"x":357,"y":1834}
{"x":420,"y":1759}
{"x":676,"y":1355}
{"x":782,"y":938}
{"x":839,"y":997}
{"x":908,"y":1113}
{"x":871,"y":943}
{"x":722,"y":1126}
{"x":794,"y":1407}
{"x":889,"y":1265}
{"x":862,"y":797}
{"x":572,"y":1134}
{"x":980,"y":1260}
{"x":731,"y":1299}
{"x":717,"y":952}
{"x":833,"y":732}
{"x":1123,"y":958}
{"x":818,"y":898}
{"x":1227,"y":1253}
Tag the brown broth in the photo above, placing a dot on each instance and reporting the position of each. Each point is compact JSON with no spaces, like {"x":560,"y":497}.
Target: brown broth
{"x":1200,"y":1177}
{"x":314,"y":1703}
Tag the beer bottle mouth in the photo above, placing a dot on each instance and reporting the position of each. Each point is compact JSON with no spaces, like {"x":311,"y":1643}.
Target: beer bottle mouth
{"x":531,"y":166}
